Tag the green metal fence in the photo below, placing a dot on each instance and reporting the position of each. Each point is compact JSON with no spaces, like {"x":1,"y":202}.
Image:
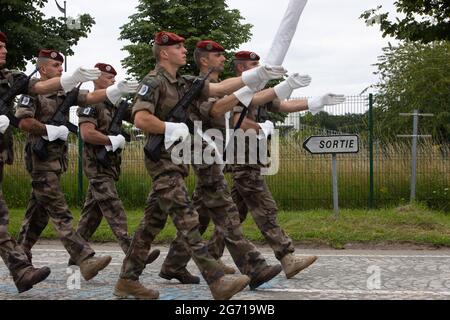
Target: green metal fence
{"x":378,"y":176}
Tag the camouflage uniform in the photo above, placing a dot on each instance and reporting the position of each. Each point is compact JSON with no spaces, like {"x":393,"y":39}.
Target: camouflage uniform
{"x":250,"y":192}
{"x":12,"y":254}
{"x":158,"y":94}
{"x":214,"y":201}
{"x":207,"y":195}
{"x":47,"y":199}
{"x":102,"y":199}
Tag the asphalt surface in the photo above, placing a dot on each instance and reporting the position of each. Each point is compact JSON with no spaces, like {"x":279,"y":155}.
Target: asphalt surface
{"x":337,"y":274}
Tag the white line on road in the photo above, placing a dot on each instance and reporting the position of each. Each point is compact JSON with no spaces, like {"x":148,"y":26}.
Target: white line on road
{"x":301,"y":255}
{"x":376,"y":292}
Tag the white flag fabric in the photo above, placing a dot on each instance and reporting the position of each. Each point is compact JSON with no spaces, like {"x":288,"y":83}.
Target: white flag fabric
{"x":285,"y":33}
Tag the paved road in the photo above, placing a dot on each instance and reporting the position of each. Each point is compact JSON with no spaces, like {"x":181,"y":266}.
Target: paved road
{"x":337,"y":274}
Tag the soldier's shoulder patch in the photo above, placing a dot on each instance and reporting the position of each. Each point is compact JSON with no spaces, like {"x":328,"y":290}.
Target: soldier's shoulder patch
{"x":87,"y":111}
{"x":26,"y":101}
{"x":149,"y":83}
{"x":189,"y":78}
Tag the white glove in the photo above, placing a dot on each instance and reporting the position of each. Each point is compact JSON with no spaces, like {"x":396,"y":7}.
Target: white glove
{"x":175,"y":132}
{"x":70,"y":81}
{"x":257,"y":78}
{"x":284,"y":89}
{"x":4,"y":123}
{"x":121,"y":88}
{"x":117,"y":142}
{"x":56,"y":132}
{"x":267,"y":129}
{"x":316,"y":105}
{"x":244,"y":95}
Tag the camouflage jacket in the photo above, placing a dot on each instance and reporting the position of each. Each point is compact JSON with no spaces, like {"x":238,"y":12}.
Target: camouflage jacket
{"x":42,"y":108}
{"x":158,"y":93}
{"x":101,"y":115}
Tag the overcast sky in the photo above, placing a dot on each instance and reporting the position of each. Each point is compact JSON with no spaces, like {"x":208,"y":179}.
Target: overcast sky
{"x":331,"y":44}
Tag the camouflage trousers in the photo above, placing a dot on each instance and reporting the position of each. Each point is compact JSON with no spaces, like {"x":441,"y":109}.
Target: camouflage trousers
{"x":250,"y":193}
{"x":221,"y":209}
{"x":169,"y":195}
{"x":12,"y":254}
{"x":101,"y":201}
{"x":47,"y":201}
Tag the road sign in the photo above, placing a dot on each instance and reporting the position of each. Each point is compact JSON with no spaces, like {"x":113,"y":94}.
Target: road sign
{"x":348,"y":143}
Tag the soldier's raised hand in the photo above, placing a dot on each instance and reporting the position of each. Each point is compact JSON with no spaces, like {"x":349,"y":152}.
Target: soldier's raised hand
{"x":70,"y":81}
{"x":121,"y":88}
{"x":284,"y":89}
{"x":117,"y":142}
{"x":175,"y":132}
{"x":4,"y":123}
{"x":316,"y":105}
{"x":267,"y":128}
{"x":244,"y":95}
{"x":56,"y":132}
{"x":257,"y":78}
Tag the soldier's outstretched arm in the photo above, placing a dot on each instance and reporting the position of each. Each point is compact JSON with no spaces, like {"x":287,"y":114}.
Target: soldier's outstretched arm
{"x":112,"y":93}
{"x":225,"y":87}
{"x":33,"y":126}
{"x":91,"y":135}
{"x":244,"y":95}
{"x":294,"y":105}
{"x":255,"y":79}
{"x":246,"y":123}
{"x":149,"y":123}
{"x":46,"y":86}
{"x":96,"y":96}
{"x":66,"y":82}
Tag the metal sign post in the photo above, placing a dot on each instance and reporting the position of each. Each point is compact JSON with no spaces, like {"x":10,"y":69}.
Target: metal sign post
{"x":414,"y":136}
{"x":333,"y":145}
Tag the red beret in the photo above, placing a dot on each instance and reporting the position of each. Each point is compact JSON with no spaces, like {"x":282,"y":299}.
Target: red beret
{"x":51,"y":54}
{"x":209,"y":45}
{"x":164,"y":38}
{"x":3,"y":37}
{"x":106,"y":68}
{"x":246,"y":55}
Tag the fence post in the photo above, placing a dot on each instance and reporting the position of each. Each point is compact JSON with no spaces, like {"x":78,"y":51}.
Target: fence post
{"x":80,"y":171}
{"x":371,"y":184}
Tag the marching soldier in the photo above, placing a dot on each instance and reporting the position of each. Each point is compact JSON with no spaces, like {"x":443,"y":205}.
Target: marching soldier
{"x":207,"y":196}
{"x":47,"y":199}
{"x":102,"y":199}
{"x":159,"y":92}
{"x":250,"y":191}
{"x":25,"y":276}
{"x":212,"y":198}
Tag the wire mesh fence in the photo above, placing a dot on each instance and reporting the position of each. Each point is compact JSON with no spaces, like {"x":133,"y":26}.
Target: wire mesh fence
{"x":304,"y":181}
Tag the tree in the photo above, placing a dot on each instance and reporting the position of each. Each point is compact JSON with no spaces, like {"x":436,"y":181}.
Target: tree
{"x":424,"y":21}
{"x":28,"y":31}
{"x":193,"y":19}
{"x":414,"y":76}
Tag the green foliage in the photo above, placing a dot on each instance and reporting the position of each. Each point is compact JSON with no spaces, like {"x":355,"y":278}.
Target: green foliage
{"x":193,"y":19}
{"x":423,"y":20}
{"x":409,"y":224}
{"x":348,"y":123}
{"x":29,"y":31}
{"x":414,"y":76}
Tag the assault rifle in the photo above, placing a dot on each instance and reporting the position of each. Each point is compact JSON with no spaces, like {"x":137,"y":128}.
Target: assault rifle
{"x":152,"y":148}
{"x":19,"y":86}
{"x":58,"y":119}
{"x":115,"y":128}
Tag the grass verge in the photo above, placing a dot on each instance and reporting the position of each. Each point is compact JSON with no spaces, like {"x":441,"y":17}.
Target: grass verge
{"x":409,"y":224}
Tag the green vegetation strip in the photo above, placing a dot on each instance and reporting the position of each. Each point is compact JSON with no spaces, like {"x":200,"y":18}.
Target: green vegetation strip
{"x":408,"y":224}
